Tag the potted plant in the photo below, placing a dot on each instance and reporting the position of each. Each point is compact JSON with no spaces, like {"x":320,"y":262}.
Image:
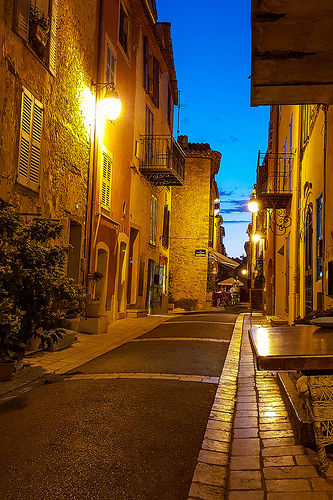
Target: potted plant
{"x":72,"y":306}
{"x":32,"y":281}
{"x":39,"y":26}
{"x":93,"y":303}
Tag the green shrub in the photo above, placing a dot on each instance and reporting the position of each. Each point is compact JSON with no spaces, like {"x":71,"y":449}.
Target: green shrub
{"x":34,"y":292}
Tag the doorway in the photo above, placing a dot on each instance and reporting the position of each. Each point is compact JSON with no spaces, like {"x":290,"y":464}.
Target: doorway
{"x":308,"y":260}
{"x":74,"y":255}
{"x":132,"y":267}
{"x":121,"y":278}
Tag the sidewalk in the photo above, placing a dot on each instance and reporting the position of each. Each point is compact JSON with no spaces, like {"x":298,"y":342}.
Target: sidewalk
{"x":249,"y":451}
{"x":85,"y":348}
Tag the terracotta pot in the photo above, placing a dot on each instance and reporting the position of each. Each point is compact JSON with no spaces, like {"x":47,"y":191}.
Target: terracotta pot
{"x":93,"y":308}
{"x":70,"y":323}
{"x":6,"y":370}
{"x":36,"y":32}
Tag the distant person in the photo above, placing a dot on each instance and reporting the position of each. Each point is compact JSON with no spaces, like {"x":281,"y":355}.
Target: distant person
{"x":217,"y":297}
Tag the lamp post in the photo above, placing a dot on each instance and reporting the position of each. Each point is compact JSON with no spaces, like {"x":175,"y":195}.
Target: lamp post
{"x":254,"y":238}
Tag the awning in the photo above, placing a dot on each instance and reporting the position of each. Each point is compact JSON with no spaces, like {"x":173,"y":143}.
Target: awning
{"x":222,"y":259}
{"x":231,"y":282}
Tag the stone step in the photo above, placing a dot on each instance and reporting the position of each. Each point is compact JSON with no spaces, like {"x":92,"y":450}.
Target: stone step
{"x":136,"y":313}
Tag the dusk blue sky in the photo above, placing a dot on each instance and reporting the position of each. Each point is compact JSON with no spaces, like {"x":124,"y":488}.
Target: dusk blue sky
{"x":212,"y":53}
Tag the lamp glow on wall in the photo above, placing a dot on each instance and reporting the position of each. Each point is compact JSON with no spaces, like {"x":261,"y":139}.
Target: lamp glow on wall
{"x":253,"y":205}
{"x":111,"y":103}
{"x":216,"y":206}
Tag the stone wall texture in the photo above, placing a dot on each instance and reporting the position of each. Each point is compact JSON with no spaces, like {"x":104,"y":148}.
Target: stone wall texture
{"x":190,"y":232}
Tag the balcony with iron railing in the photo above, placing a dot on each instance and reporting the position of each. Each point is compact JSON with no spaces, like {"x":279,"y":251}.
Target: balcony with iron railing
{"x":274,"y":179}
{"x":162,"y":161}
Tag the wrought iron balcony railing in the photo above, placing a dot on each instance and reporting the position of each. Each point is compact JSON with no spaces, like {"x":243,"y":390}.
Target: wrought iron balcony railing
{"x":162,"y":161}
{"x":274,"y":179}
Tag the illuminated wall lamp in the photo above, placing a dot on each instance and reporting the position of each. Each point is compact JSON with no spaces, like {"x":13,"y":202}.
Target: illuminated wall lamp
{"x":110,"y":104}
{"x":256,"y":237}
{"x":253,"y":205}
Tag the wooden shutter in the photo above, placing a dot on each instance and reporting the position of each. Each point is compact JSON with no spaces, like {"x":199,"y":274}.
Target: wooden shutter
{"x":53,"y":36}
{"x":30,"y":140}
{"x":166,"y":223}
{"x":145,"y":65}
{"x":21,"y":18}
{"x":36,"y":138}
{"x":106,"y":180}
{"x":156,"y":83}
{"x":153,"y":220}
{"x":110,"y":65}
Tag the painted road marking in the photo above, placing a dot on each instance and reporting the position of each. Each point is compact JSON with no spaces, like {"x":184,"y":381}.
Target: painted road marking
{"x":202,"y":339}
{"x":205,"y":322}
{"x":156,"y":376}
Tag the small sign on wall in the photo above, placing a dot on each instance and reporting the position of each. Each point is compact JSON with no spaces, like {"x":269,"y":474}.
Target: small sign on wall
{"x":200,"y":253}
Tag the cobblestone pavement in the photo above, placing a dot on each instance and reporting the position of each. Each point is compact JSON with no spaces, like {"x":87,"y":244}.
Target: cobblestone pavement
{"x":249,"y":451}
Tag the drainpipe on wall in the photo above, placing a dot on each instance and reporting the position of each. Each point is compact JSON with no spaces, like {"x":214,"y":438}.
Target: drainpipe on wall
{"x":323,"y":281}
{"x":297,"y":274}
{"x":277,"y":109}
{"x":95,"y":150}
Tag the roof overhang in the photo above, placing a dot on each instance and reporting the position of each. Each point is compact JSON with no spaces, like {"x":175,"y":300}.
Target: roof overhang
{"x":292,"y":52}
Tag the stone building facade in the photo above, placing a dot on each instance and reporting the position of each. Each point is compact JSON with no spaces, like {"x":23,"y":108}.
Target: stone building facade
{"x":191,"y":232}
{"x":46,"y":61}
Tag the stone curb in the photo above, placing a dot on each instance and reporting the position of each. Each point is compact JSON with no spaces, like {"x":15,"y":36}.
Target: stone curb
{"x":210,"y":475}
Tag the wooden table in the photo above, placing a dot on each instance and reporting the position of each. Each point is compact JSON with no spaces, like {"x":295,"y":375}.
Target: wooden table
{"x":310,"y":350}
{"x":302,"y":347}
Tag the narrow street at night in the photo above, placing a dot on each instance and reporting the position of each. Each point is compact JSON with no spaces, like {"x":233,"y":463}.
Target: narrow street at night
{"x":166,"y":250}
{"x":126,"y":425}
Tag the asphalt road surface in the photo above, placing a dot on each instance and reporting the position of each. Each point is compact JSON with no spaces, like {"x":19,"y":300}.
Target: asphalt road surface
{"x":127,"y":425}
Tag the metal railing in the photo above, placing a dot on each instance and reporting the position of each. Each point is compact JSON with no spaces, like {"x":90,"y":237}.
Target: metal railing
{"x":161,"y":153}
{"x":274,"y":173}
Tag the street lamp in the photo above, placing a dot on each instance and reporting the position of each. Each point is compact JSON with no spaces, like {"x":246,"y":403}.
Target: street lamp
{"x":253,"y":204}
{"x":111,"y":103}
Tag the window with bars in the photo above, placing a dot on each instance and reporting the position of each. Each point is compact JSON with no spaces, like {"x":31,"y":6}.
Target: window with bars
{"x":106,"y":179}
{"x":153,"y":220}
{"x":30,"y":140}
{"x":36,"y":22}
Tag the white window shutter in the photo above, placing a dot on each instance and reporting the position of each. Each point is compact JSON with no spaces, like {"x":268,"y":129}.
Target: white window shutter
{"x":37,"y":123}
{"x":22,"y":12}
{"x":106,"y":180}
{"x":25,"y":135}
{"x":53,"y":37}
